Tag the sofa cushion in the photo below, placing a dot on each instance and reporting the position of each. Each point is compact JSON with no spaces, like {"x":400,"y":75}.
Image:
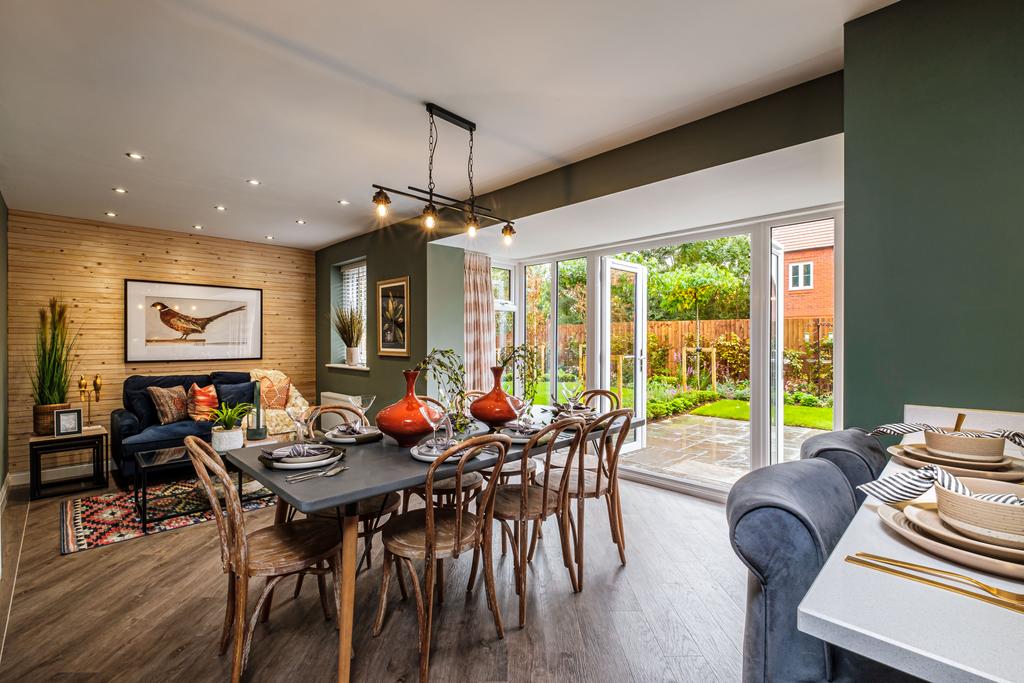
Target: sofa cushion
{"x":136,"y":399}
{"x":171,"y":403}
{"x":142,"y":406}
{"x":202,"y":401}
{"x":275,"y":387}
{"x":233,"y":394}
{"x":229,"y":377}
{"x":157,"y":436}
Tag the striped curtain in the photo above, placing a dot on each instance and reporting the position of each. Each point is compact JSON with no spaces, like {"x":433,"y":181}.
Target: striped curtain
{"x":479,"y":317}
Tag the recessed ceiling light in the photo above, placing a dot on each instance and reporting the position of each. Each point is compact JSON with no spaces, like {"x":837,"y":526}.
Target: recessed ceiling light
{"x":253,"y":181}
{"x":301,"y":222}
{"x":197,"y":227}
{"x":270,"y":237}
{"x":221,"y":208}
{"x":135,"y":156}
{"x":119,"y":190}
{"x":110,"y":214}
{"x":344,"y":202}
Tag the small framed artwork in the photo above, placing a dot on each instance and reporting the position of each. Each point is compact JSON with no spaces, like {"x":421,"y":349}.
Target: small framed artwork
{"x":393,"y":317}
{"x":175,"y":321}
{"x":67,"y":422}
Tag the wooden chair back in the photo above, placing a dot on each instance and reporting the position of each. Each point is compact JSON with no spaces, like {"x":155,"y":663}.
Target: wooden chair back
{"x":474,"y":394}
{"x":230,"y":523}
{"x":592,"y":398}
{"x":462,"y":453}
{"x":348,"y":413}
{"x":555,"y":430}
{"x":607,"y":433}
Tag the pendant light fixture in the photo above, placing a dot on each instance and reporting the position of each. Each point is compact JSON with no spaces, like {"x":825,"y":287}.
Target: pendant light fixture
{"x":435,"y":201}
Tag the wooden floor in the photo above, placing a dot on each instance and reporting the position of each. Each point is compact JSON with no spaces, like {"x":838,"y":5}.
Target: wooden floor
{"x":151,"y":609}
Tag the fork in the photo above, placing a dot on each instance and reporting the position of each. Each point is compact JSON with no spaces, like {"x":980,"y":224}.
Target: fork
{"x":991,"y":590}
{"x":329,"y":472}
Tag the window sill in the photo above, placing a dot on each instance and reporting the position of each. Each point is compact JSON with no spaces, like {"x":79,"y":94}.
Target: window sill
{"x":346,"y":366}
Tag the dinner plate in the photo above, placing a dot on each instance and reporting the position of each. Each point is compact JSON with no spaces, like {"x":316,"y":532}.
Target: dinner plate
{"x":1014,"y":472}
{"x":300,"y":463}
{"x":921,"y":453}
{"x":898,"y":522}
{"x":926,"y":517}
{"x":371,"y":434}
{"x":517,"y":437}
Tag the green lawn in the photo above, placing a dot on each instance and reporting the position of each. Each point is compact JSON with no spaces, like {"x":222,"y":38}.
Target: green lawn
{"x":795,"y":416}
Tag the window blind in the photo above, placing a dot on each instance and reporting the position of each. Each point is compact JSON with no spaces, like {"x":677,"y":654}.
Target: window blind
{"x":353,"y":291}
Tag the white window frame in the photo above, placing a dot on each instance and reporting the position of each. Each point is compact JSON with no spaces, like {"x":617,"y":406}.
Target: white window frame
{"x":355,"y":264}
{"x":809,"y":284}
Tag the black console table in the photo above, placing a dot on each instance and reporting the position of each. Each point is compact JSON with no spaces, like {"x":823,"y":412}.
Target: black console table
{"x":92,"y":438}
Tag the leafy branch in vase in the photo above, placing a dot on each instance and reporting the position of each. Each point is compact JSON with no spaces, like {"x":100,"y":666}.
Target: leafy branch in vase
{"x":527,"y":365}
{"x":446,"y":368}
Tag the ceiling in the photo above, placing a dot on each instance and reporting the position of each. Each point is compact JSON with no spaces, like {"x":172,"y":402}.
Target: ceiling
{"x":789,"y":179}
{"x":318,"y":99}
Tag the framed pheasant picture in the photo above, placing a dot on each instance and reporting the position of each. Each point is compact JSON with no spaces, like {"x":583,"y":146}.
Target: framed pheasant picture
{"x":393,"y":317}
{"x":171,"y":321}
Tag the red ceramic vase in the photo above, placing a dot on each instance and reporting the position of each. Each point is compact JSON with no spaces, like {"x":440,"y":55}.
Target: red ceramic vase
{"x":494,"y":408}
{"x":403,"y":420}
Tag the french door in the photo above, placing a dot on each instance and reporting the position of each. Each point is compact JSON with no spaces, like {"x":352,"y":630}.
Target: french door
{"x":624,"y":324}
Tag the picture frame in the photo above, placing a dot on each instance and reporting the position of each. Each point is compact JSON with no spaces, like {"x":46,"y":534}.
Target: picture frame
{"x":67,"y":422}
{"x":393,"y":317}
{"x":174,"y":321}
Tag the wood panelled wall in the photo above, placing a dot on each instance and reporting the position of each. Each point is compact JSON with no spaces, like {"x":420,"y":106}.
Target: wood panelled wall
{"x":87,"y":262}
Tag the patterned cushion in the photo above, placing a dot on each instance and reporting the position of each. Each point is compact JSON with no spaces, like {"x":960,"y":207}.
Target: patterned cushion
{"x":274,"y":388}
{"x":171,"y":404}
{"x":201,"y":401}
{"x":277,"y":420}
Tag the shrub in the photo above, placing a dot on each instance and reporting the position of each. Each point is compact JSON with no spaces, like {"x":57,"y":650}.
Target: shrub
{"x":681,"y":403}
{"x":657,"y":357}
{"x":733,"y":357}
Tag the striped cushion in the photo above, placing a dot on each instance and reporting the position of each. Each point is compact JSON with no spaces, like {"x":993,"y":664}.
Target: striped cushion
{"x":201,"y":401}
{"x":171,"y":404}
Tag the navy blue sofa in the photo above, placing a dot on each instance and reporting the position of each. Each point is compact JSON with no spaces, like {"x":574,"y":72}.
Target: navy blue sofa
{"x":136,"y":427}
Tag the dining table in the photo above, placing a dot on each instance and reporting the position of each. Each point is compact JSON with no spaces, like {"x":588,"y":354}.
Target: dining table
{"x":922,"y":630}
{"x":375,"y":468}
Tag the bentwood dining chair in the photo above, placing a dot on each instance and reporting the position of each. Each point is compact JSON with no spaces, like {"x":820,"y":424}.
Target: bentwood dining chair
{"x":516,"y":505}
{"x":608,"y":432}
{"x":441,"y":531}
{"x":373,"y":512}
{"x":273,"y":552}
{"x":471,"y":484}
{"x":592,"y":399}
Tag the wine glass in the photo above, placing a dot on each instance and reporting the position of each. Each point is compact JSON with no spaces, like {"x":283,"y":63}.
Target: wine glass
{"x":363,"y":403}
{"x":570,"y":394}
{"x":435,"y":418}
{"x":303,"y":419}
{"x":522,"y":408}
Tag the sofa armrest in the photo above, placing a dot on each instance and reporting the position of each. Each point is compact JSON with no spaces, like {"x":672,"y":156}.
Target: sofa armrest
{"x":123,"y":423}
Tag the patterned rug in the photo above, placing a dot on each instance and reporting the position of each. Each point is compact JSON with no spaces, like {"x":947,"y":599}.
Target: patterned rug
{"x":110,"y":518}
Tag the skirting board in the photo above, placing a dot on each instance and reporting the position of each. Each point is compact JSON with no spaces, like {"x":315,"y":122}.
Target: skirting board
{"x":54,"y":473}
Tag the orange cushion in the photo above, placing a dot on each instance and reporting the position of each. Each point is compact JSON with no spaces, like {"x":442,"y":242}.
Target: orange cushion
{"x":201,"y":402}
{"x":274,"y":394}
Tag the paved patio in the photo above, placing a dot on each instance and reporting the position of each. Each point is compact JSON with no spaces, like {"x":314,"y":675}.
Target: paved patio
{"x":710,"y":451}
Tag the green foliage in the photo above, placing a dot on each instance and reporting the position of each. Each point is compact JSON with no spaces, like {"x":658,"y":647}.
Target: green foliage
{"x":54,"y":345}
{"x":348,"y":323}
{"x":446,"y":368}
{"x":527,"y":365}
{"x":230,"y":416}
{"x":680,"y":403}
{"x":810,"y":369}
{"x":657,"y":356}
{"x":733,"y":357}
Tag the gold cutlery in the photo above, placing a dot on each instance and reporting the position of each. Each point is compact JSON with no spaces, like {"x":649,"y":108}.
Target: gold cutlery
{"x":1005,"y":604}
{"x":991,"y":590}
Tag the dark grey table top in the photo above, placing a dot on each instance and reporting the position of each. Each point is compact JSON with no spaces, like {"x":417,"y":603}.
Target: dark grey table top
{"x":373,"y":469}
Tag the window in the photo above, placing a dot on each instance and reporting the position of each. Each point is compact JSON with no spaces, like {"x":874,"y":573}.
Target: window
{"x":351,"y":294}
{"x":801,"y":275}
{"x":504,"y":316}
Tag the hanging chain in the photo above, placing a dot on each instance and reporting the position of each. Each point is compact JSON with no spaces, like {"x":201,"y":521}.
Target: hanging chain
{"x":472,"y":192}
{"x":432,"y":143}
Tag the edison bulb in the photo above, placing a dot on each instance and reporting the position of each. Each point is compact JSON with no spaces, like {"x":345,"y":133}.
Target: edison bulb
{"x":508,"y":240}
{"x":382,"y":210}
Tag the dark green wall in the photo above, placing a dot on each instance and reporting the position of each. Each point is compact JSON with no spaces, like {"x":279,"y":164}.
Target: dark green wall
{"x":3,"y":339}
{"x":395,"y":251}
{"x":790,"y":117}
{"x":934,"y":117}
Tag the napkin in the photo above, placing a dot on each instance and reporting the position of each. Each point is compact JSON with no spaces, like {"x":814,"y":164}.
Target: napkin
{"x":299,"y":451}
{"x":903,"y":428}
{"x":905,"y":486}
{"x":347,"y":429}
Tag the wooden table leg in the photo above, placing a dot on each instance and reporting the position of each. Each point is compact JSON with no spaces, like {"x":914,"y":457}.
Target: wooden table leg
{"x":346,"y":617}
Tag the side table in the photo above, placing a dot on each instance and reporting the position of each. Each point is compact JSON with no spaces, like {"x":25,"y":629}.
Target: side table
{"x":94,"y":437}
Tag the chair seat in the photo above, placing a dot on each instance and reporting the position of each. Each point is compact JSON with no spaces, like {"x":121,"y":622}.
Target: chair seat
{"x":368,"y":509}
{"x":507,"y":502}
{"x":589,"y":461}
{"x":516,"y":467}
{"x":590,"y":488}
{"x":469,"y":480}
{"x":291,"y":547}
{"x":405,"y":535}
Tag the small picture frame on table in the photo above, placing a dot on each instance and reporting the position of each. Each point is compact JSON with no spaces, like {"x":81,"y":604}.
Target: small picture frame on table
{"x":67,"y":422}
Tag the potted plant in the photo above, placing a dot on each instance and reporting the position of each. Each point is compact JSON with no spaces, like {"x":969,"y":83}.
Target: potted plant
{"x":55,"y":344}
{"x":348,"y":322}
{"x":227,"y":426}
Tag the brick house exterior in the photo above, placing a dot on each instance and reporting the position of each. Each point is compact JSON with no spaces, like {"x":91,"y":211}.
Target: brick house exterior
{"x":807,"y":245}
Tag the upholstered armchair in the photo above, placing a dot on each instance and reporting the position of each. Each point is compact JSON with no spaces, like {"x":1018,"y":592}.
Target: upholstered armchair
{"x":858,"y":454}
{"x":784,"y":521}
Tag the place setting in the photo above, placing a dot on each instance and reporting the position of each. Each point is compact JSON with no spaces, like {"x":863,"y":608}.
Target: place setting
{"x":354,"y":428}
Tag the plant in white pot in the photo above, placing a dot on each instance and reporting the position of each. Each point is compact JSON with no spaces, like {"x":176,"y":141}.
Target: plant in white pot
{"x":227,"y":426}
{"x":348,"y":323}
